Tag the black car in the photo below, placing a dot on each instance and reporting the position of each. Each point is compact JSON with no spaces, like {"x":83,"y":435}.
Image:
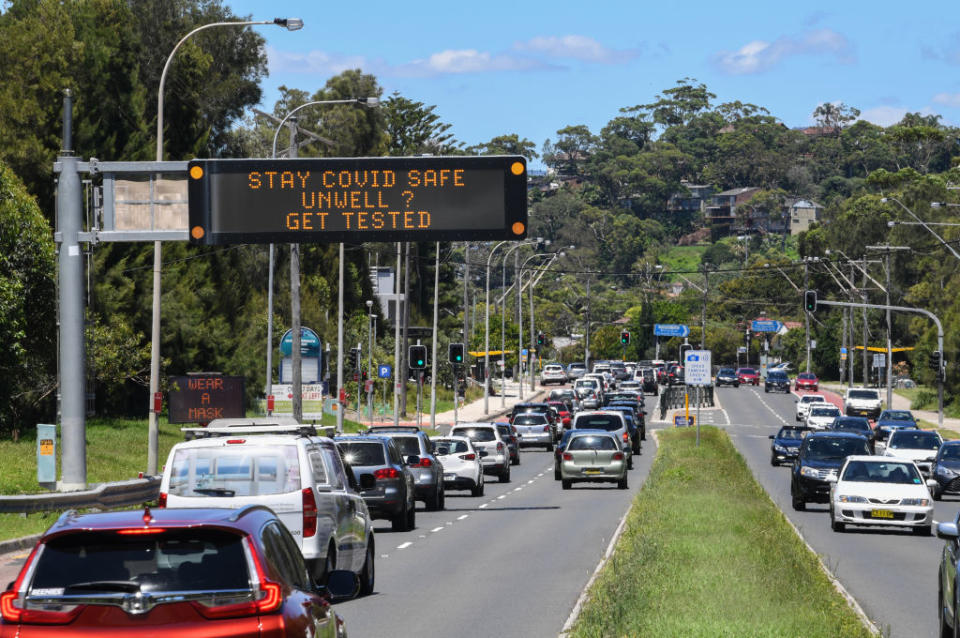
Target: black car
{"x":649,"y":379}
{"x":392,"y":496}
{"x":727,"y":376}
{"x":786,"y":444}
{"x":638,"y":415}
{"x":821,"y":456}
{"x":946,"y":470}
{"x":856,"y":425}
{"x":948,"y":579}
{"x":632,"y":425}
{"x":777,"y":380}
{"x":509,"y":434}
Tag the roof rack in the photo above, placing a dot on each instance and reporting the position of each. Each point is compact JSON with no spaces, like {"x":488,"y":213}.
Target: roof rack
{"x":299,"y":429}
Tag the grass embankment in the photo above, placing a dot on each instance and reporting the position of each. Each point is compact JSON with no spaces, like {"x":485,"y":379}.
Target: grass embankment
{"x":705,"y":552}
{"x":116,"y":450}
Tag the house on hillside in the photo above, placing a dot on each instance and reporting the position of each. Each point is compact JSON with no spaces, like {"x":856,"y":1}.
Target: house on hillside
{"x":722,"y":211}
{"x":803,"y":212}
{"x":695,"y":199}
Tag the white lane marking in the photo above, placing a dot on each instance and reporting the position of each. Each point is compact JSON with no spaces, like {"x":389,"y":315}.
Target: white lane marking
{"x":384,"y":555}
{"x":484,"y":505}
{"x":460,"y":518}
{"x":437,"y":529}
{"x":423,"y":535}
{"x":517,"y":489}
{"x":767,"y":406}
{"x":404,"y":545}
{"x":530,"y":481}
{"x":501,"y":496}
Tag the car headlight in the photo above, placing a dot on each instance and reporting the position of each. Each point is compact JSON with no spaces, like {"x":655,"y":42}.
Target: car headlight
{"x":780,"y":448}
{"x":809,"y":472}
{"x":916,"y":502}
{"x":851,"y":499}
{"x":945,"y":471}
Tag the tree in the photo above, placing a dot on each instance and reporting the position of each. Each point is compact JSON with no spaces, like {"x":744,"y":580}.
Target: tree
{"x":574,"y":145}
{"x":835,"y":117}
{"x":677,"y":105}
{"x":414,"y":128}
{"x":505,"y":145}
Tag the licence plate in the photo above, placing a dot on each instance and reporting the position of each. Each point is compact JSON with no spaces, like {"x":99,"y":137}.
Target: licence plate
{"x":449,"y":477}
{"x":593,"y":471}
{"x":881,"y":514}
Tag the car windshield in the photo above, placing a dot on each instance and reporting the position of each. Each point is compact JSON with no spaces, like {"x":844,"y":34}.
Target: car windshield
{"x":587,"y":383}
{"x":791,"y":433}
{"x":806,"y":375}
{"x":914,"y":440}
{"x":445,"y":447}
{"x":852,"y":424}
{"x":592,"y":442}
{"x":777,"y":375}
{"x":881,"y":472}
{"x":831,"y":411}
{"x":896,"y":415}
{"x":835,"y":448}
{"x":725,"y":371}
{"x":812,"y":399}
{"x":950,"y":453}
{"x":235,"y":470}
{"x":361,"y":454}
{"x":747,"y":371}
{"x":170,"y":560}
{"x":477,"y":434}
{"x":530,"y":419}
{"x":864,"y":394}
{"x":607,"y":422}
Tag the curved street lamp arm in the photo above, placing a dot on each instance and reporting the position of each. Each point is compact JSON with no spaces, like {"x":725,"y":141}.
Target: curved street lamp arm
{"x":922,"y":223}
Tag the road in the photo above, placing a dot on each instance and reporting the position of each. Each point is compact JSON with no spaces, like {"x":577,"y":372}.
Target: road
{"x":891,"y":573}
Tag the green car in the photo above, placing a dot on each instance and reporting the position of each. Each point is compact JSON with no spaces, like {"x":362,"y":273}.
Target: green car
{"x":593,"y":456}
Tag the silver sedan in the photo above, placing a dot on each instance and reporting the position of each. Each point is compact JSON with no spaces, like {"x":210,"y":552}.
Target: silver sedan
{"x":593,"y":456}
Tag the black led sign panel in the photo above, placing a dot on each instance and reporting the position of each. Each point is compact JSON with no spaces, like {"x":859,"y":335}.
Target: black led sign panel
{"x":357,"y":199}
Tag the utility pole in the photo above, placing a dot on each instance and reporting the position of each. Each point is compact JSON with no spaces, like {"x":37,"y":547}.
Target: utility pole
{"x":845,"y":346}
{"x":889,"y":367}
{"x":466,"y":295}
{"x":853,"y":296}
{"x":404,"y":368}
{"x":866,"y":331}
{"x":806,"y":314}
{"x":533,"y":342}
{"x":295,"y":354}
{"x":586,"y":349}
{"x":434,"y":364}
{"x":703,"y":307}
{"x":397,"y":361}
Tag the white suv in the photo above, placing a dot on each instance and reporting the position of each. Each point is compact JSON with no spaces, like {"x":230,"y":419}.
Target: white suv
{"x":553,"y":373}
{"x":862,"y":402}
{"x":291,"y":470}
{"x":804,"y":402}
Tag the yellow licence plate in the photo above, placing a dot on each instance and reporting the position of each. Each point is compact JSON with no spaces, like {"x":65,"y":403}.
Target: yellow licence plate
{"x":593,"y":471}
{"x":881,"y":514}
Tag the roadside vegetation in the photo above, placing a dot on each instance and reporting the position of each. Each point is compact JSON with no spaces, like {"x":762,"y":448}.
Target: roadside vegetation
{"x":705,"y":552}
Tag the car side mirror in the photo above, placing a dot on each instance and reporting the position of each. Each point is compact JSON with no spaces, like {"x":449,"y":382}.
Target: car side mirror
{"x":413,"y":459}
{"x":947,"y":531}
{"x":341,"y":584}
{"x":932,"y":484}
{"x":771,"y":437}
{"x":484,"y":453}
{"x":367,"y":482}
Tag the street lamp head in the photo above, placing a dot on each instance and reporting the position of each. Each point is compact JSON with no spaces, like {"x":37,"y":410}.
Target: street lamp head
{"x":369,"y":303}
{"x":891,"y":223}
{"x":369,"y":101}
{"x":290,"y":24}
{"x":884,"y":200}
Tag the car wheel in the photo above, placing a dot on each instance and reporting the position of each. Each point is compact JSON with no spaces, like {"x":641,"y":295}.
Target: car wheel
{"x":435,"y":502}
{"x":505,"y":475}
{"x":477,"y":490}
{"x":515,"y":460}
{"x":550,"y":447}
{"x":367,"y":574}
{"x":945,"y":630}
{"x":329,"y":564}
{"x":630,"y":462}
{"x":622,"y":483}
{"x":774,"y":462}
{"x":766,"y":389}
{"x":799,"y":504}
{"x":643,"y":434}
{"x":923,"y":530}
{"x":412,"y":517}
{"x":836,"y":525}
{"x":399,"y":523}
{"x":937,"y":494}
{"x":566,"y":483}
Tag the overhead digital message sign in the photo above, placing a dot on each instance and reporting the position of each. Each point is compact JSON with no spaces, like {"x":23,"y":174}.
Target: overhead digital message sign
{"x":200,"y":398}
{"x":357,"y":199}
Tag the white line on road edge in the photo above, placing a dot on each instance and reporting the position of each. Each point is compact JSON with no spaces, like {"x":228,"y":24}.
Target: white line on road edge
{"x":517,"y":489}
{"x":501,"y":496}
{"x":572,"y":618}
{"x":484,"y":505}
{"x":460,"y":518}
{"x":404,"y":545}
{"x":437,"y":529}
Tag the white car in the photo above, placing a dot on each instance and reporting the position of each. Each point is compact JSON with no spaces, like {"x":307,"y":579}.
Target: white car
{"x":491,"y":448}
{"x":878,"y":490}
{"x":919,"y":446}
{"x":862,"y":402}
{"x":462,"y":469}
{"x":553,"y":373}
{"x":803,"y":404}
{"x":821,"y":416}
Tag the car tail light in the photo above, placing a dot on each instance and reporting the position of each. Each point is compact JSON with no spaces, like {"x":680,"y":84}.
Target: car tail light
{"x":386,"y":473}
{"x":424,"y":462}
{"x":13,"y":613}
{"x":546,"y":428}
{"x":162,"y":500}
{"x":235,"y":441}
{"x":469,"y":457}
{"x":567,"y":456}
{"x":618,"y":456}
{"x":309,"y":513}
{"x":626,"y":437}
{"x":270,"y":600}
{"x":500,"y":446}
{"x":135,"y":531}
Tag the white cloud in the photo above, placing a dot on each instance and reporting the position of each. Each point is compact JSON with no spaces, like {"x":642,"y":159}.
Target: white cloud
{"x":948,"y":99}
{"x":890,"y":115}
{"x":759,"y":55}
{"x":577,"y":47}
{"x":457,"y":61}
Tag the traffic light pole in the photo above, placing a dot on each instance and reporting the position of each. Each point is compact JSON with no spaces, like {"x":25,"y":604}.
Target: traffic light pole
{"x":919,"y":311}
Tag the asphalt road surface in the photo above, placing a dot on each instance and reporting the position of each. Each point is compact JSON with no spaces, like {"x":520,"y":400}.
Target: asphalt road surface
{"x":891,"y":573}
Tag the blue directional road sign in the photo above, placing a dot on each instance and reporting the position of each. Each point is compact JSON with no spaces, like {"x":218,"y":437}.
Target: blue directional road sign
{"x":384,"y":370}
{"x":671,"y":330}
{"x":765,"y":325}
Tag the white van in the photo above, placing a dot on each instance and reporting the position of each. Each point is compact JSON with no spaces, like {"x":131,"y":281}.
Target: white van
{"x":289,"y":469}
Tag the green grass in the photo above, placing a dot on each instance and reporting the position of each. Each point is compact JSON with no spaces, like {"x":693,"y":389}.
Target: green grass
{"x":682,"y":258}
{"x":705,"y":552}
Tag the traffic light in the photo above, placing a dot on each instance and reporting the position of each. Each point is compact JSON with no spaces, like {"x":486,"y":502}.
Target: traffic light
{"x":541,"y":339}
{"x":625,"y":338}
{"x":810,"y":300}
{"x":455,"y":353}
{"x":936,"y":361}
{"x":683,"y":352}
{"x":418,"y":357}
{"x":353,"y":359}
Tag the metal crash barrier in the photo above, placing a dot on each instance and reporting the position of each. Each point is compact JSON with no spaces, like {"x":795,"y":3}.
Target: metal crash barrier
{"x":106,"y":496}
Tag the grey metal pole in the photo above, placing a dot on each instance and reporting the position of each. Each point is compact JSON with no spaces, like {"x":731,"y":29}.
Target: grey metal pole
{"x":341,"y":405}
{"x":370,"y":376}
{"x":703,"y":311}
{"x":268,"y":384}
{"x":466,"y":294}
{"x":586,"y":347}
{"x":435,"y":364}
{"x":295,"y":355}
{"x":503,"y":339}
{"x":520,"y":326}
{"x":405,"y":350}
{"x":866,"y":336}
{"x":889,"y":366}
{"x":73,"y":424}
{"x":486,"y":338}
{"x":533,"y":332}
{"x":396,"y":341}
{"x":806,"y":315}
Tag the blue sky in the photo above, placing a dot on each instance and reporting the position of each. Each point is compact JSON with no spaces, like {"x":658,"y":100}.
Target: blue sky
{"x":531,"y":68}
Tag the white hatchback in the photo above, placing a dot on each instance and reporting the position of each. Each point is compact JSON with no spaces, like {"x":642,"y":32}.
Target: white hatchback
{"x":821,"y":416}
{"x":881,"y":491}
{"x":919,"y":446}
{"x":462,"y":469}
{"x":803,"y":404}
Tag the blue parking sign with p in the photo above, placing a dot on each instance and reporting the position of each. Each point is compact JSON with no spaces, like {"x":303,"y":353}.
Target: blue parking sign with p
{"x":383,"y":371}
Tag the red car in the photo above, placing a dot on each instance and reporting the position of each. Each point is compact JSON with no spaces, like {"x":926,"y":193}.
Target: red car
{"x":170,"y":572}
{"x":807,"y":381}
{"x":748,"y":376}
{"x":562,"y":412}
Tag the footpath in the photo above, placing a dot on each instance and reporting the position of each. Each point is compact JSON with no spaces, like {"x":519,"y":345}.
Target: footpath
{"x":834,"y":393}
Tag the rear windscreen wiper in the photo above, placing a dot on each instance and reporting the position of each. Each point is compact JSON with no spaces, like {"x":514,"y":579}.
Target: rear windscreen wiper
{"x":106,"y":585}
{"x":213,"y":491}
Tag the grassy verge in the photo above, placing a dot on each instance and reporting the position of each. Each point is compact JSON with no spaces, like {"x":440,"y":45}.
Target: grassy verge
{"x":705,"y":552}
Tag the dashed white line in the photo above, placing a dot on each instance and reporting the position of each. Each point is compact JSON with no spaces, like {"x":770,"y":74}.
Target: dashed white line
{"x":437,"y":529}
{"x":484,"y":505}
{"x":501,"y":496}
{"x":530,"y":481}
{"x":404,"y":545}
{"x":517,"y":489}
{"x":460,"y":518}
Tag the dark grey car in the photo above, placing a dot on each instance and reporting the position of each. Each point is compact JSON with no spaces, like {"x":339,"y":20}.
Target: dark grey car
{"x":392,"y":496}
{"x":417,"y":450}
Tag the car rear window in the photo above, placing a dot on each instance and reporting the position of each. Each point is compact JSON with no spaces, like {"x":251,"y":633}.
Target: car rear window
{"x":174,"y":560}
{"x":592,"y":443}
{"x":235,"y":470}
{"x":408,"y":445}
{"x":476,"y":434}
{"x":818,"y":411}
{"x":359,"y":454}
{"x":812,"y":399}
{"x":607,"y":422}
{"x":894,"y":415}
{"x":914,"y":440}
{"x":445,"y":447}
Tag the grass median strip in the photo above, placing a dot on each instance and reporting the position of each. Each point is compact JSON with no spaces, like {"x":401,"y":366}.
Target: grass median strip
{"x":705,"y":552}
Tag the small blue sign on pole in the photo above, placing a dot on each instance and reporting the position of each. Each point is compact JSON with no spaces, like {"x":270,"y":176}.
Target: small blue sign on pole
{"x":523,"y":352}
{"x":384,"y":371}
{"x":765,"y":325}
{"x":843,"y":351}
{"x":670,"y":330}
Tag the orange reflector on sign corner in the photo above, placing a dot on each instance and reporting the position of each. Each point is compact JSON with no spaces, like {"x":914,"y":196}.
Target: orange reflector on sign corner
{"x":517,"y":168}
{"x":518,"y":228}
{"x":197,"y":232}
{"x":196,"y":172}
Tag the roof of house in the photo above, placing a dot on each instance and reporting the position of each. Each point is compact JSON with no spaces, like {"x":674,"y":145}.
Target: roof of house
{"x":737,"y":191}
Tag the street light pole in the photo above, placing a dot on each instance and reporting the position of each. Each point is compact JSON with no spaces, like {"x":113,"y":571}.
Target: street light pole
{"x":370,"y":377}
{"x":486,"y":335}
{"x":503,"y":321}
{"x":922,"y":223}
{"x":153,"y":430}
